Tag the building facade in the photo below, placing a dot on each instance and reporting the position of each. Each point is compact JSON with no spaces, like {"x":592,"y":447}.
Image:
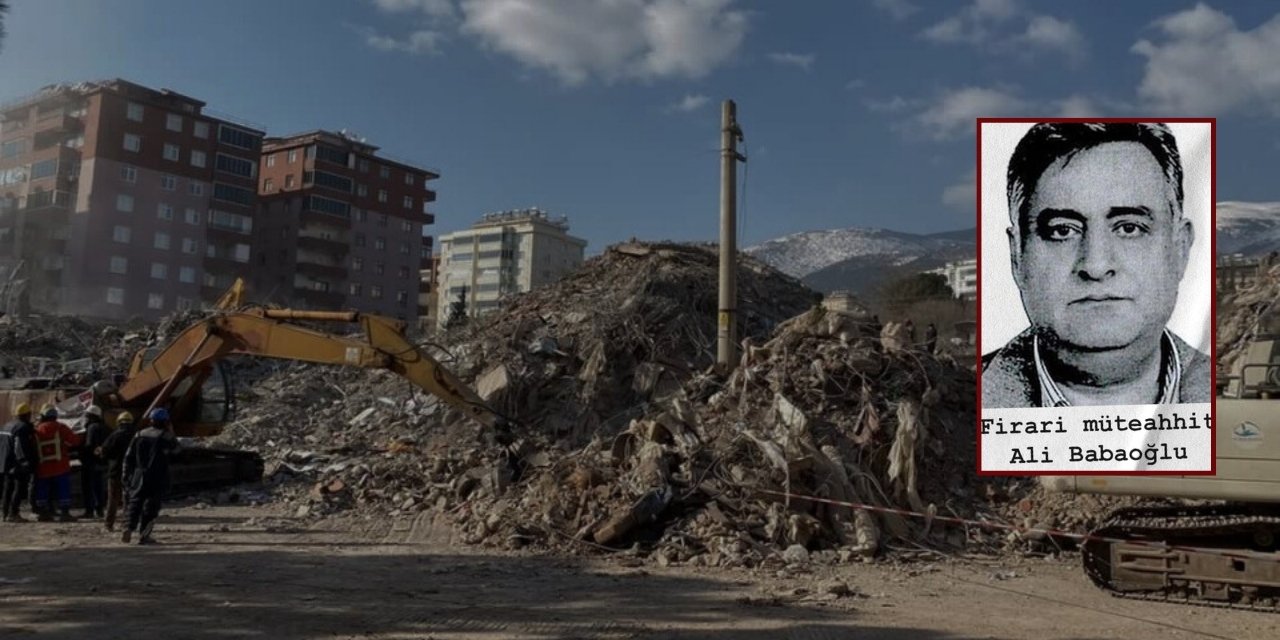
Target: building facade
{"x":962,"y":277}
{"x":117,"y":200}
{"x":341,"y":226}
{"x":503,"y":254}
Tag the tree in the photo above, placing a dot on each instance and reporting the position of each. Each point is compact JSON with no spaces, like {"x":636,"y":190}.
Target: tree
{"x":917,"y":287}
{"x":457,"y":311}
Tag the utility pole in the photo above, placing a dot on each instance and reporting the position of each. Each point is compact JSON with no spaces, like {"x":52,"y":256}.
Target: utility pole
{"x":727,"y":334}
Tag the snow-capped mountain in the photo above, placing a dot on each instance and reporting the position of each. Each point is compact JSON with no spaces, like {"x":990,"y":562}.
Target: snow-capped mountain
{"x":1251,"y":228}
{"x":857,"y":258}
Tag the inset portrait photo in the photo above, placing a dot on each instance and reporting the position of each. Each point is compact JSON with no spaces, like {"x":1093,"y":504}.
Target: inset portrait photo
{"x":1096,"y":296}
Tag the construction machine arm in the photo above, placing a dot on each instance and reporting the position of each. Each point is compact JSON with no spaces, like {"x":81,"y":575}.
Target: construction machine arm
{"x":267,"y":333}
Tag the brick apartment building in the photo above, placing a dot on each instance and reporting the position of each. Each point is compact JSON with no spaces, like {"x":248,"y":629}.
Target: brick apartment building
{"x":117,"y":200}
{"x":341,"y":226}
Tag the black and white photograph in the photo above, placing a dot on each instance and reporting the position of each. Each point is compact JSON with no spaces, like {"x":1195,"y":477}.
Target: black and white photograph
{"x":1096,"y":270}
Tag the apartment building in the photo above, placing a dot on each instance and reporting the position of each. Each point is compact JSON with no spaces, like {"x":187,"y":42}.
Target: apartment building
{"x":117,"y":200}
{"x":962,"y":276}
{"x":506,"y":252}
{"x":341,"y":225}
{"x":428,"y":300}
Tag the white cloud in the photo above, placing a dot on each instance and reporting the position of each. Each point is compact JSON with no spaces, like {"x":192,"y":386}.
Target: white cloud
{"x":899,"y":9}
{"x":963,"y":194}
{"x":1077,"y":107}
{"x":691,"y":102}
{"x":895,"y":104}
{"x":955,"y":113}
{"x":802,"y":60}
{"x":432,"y":8}
{"x":855,"y":84}
{"x":1002,"y":26}
{"x":422,"y":41}
{"x":621,"y":39}
{"x":1203,"y":64}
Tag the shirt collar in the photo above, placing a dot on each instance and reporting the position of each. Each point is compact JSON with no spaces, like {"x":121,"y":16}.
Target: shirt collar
{"x":1170,"y":376}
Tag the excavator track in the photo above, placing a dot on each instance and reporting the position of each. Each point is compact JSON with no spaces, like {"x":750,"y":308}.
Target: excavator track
{"x":1217,"y":556}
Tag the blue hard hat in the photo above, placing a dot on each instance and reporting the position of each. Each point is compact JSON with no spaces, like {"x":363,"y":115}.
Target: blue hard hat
{"x":160,"y":414}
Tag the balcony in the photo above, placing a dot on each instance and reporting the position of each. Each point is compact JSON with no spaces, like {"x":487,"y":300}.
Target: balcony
{"x":60,"y":122}
{"x":227,"y":235}
{"x":313,"y":217}
{"x":334,"y":246}
{"x":321,"y":299}
{"x":320,"y":270}
{"x":44,"y":200}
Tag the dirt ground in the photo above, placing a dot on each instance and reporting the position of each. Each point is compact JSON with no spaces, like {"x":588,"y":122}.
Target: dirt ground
{"x":254,"y":572}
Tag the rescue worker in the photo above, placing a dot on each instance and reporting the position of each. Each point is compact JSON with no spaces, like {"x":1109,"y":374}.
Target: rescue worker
{"x":54,"y":440}
{"x":93,"y":490}
{"x":146,"y":470}
{"x":113,"y":451}
{"x":930,"y":338}
{"x":18,"y":456}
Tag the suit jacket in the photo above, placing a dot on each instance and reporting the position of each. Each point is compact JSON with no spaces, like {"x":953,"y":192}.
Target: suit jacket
{"x":1009,"y":378}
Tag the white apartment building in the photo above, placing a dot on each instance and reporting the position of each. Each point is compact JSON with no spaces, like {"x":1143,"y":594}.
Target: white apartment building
{"x":505,"y":253}
{"x":962,"y":276}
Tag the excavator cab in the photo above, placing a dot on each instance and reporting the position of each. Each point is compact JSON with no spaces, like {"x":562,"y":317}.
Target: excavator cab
{"x":201,"y":403}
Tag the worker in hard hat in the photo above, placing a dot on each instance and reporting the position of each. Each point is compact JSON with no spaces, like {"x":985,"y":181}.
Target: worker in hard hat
{"x":113,"y":451}
{"x":18,"y":457}
{"x":93,"y":486}
{"x":55,"y":441}
{"x":146,"y":472}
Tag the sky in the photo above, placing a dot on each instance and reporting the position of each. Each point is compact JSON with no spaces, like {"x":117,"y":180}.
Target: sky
{"x":855,"y":113}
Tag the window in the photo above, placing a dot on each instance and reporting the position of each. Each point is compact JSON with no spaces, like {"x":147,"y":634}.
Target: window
{"x":288,"y":181}
{"x":402,"y":296}
{"x":355,"y":289}
{"x":293,"y":156}
{"x":233,"y":194}
{"x":161,"y":240}
{"x":271,"y":160}
{"x":375,"y":292}
{"x":132,"y":142}
{"x":330,"y":154}
{"x":363,"y":165}
{"x":164,"y":211}
{"x":121,"y":234}
{"x":404,"y":272}
{"x":408,"y":202}
{"x":155,"y":301}
{"x":379,"y":268}
{"x":172,"y":152}
{"x":382,"y":220}
{"x":362,"y":190}
{"x":128,"y":173}
{"x":406,"y":226}
{"x":384,"y":171}
{"x":195,"y":188}
{"x":404,"y":248}
{"x":360,"y":214}
{"x":408,"y":178}
{"x":237,"y":137}
{"x":119,"y":264}
{"x":268,"y":185}
{"x":13,"y":148}
{"x":189,"y":246}
{"x":44,"y":168}
{"x":134,"y":112}
{"x":191,"y":216}
{"x":232,"y":222}
{"x":198,"y":159}
{"x":115,"y":295}
{"x":380,"y":243}
{"x":326,"y":179}
{"x":235,"y":166}
{"x":240,"y":253}
{"x":168,"y":182}
{"x":200,"y":129}
{"x":357,"y":264}
{"x":382,"y":195}
{"x":331,"y":207}
{"x":124,"y":202}
{"x":159,"y":270}
{"x":358,"y":240}
{"x":186,"y":274}
{"x":173,"y":122}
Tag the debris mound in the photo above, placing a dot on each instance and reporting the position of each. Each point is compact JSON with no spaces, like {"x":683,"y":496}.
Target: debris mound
{"x":1245,"y":314}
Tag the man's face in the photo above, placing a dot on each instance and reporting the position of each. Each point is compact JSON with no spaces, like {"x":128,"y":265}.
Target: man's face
{"x":1104,"y":253}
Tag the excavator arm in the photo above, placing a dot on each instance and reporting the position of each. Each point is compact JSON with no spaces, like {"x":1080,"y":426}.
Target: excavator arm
{"x":269,"y":333}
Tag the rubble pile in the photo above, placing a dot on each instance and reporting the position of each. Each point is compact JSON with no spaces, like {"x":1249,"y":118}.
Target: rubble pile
{"x":1244,"y":313}
{"x":826,"y":408}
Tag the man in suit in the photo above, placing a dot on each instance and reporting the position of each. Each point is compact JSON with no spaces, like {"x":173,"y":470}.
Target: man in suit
{"x":1098,"y":244}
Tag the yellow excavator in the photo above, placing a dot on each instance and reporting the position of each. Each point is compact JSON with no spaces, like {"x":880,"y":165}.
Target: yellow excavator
{"x":185,"y":375}
{"x":1222,"y":546}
